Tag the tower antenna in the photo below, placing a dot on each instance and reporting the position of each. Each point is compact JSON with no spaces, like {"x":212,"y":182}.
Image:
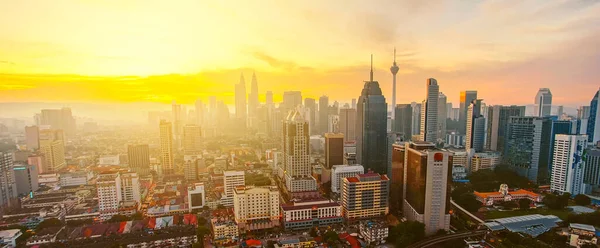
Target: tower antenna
{"x":371,"y":68}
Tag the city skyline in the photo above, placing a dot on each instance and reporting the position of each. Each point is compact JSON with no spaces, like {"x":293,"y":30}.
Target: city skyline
{"x":556,"y":50}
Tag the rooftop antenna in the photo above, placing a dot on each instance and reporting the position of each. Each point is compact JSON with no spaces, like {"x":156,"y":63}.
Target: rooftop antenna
{"x":371,"y":68}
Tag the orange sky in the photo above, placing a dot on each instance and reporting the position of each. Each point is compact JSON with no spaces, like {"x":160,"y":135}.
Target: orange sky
{"x":158,"y":51}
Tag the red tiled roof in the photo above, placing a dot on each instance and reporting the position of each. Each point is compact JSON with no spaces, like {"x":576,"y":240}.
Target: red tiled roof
{"x":353,"y":179}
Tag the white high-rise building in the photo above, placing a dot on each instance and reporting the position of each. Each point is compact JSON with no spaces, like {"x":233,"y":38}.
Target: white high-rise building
{"x":231,"y":179}
{"x":108,"y":186}
{"x":256,"y":208}
{"x":543,"y":102}
{"x":8,"y":187}
{"x":568,"y":165}
{"x":296,"y":149}
{"x":114,"y":188}
{"x":475,"y":134}
{"x":191,"y":166}
{"x":166,"y":149}
{"x":339,"y":172}
{"x":429,"y":112}
{"x":196,"y":196}
{"x":426,"y":185}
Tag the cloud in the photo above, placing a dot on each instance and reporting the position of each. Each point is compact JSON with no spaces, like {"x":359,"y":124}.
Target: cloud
{"x":6,"y":62}
{"x":274,"y":62}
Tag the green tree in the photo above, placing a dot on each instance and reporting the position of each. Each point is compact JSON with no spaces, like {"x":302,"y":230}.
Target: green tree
{"x":313,"y":232}
{"x":137,"y":216}
{"x":48,"y":223}
{"x":197,"y":245}
{"x":406,"y":233}
{"x":524,"y":203}
{"x":556,"y":201}
{"x":468,"y":202}
{"x":220,"y":206}
{"x":201,"y":232}
{"x":202,"y":221}
{"x":582,"y":200}
{"x":118,"y":218}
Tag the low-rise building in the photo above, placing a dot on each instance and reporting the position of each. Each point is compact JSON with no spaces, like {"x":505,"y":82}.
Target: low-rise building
{"x":8,"y":238}
{"x":459,"y":172}
{"x":373,"y":231}
{"x":581,"y":234}
{"x":485,"y":161}
{"x":307,"y":214}
{"x":225,"y":231}
{"x":490,"y":198}
{"x":75,"y":178}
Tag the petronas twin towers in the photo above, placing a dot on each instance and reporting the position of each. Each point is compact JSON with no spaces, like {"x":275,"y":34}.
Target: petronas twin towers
{"x":243,"y":109}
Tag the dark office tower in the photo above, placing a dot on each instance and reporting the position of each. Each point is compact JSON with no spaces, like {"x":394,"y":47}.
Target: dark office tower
{"x":397,"y":177}
{"x":475,"y":134}
{"x":403,"y":122}
{"x":291,"y":100}
{"x":426,"y":191}
{"x":529,"y":145}
{"x":139,"y":159}
{"x":347,"y":123}
{"x":593,"y":125}
{"x":429,"y":112}
{"x":311,"y":105}
{"x":466,"y":97}
{"x":497,"y":124}
{"x":371,"y":127}
{"x":334,"y":149}
{"x":323,"y":114}
{"x":240,"y":102}
{"x":591,"y":175}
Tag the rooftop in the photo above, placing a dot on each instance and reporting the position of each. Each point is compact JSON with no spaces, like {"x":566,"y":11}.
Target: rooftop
{"x":533,"y":225}
{"x":585,"y":227}
{"x":499,"y":194}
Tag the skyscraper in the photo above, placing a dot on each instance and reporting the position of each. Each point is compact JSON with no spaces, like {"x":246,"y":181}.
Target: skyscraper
{"x":334,"y":149}
{"x":543,"y":102}
{"x":426,"y":191}
{"x":568,"y":165}
{"x":403,"y":122}
{"x":32,"y":137}
{"x":529,"y":145}
{"x":139,"y":158}
{"x":323,"y":114}
{"x":475,"y":127}
{"x":442,"y":115}
{"x":52,"y":145}
{"x":394,"y":69}
{"x":8,"y":188}
{"x":371,"y":127}
{"x":466,"y":97}
{"x":591,"y":174}
{"x":240,"y":101}
{"x":192,"y":139}
{"x":177,"y":124}
{"x":166,"y":148}
{"x":593,"y":125}
{"x":296,"y":152}
{"x":231,"y":180}
{"x":253,"y":97}
{"x":311,"y":105}
{"x":269,"y":98}
{"x":59,"y":119}
{"x":497,"y":123}
{"x":291,"y":100}
{"x":429,"y":112}
{"x":347,"y":123}
{"x":416,"y":118}
{"x":200,"y":112}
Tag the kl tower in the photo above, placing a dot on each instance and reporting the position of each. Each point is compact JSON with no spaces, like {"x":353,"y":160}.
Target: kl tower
{"x":394,"y":69}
